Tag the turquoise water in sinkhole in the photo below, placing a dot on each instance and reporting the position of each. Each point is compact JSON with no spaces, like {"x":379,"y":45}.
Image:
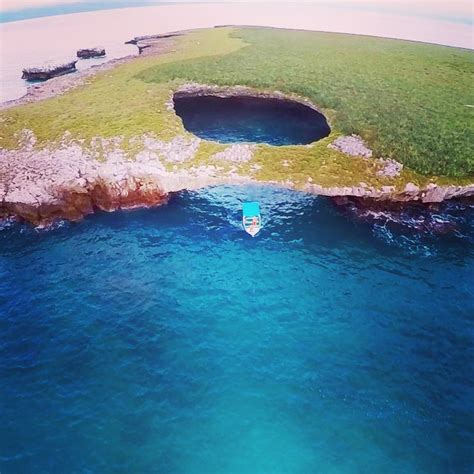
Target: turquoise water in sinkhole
{"x":169,"y":341}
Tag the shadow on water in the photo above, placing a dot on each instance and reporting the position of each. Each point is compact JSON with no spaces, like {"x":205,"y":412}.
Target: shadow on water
{"x":251,"y":119}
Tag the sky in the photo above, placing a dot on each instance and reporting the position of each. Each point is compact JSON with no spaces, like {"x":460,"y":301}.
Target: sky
{"x":458,"y":11}
{"x":446,"y":5}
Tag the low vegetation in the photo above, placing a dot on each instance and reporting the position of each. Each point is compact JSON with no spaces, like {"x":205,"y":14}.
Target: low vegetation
{"x":409,"y":101}
{"x":114,"y":102}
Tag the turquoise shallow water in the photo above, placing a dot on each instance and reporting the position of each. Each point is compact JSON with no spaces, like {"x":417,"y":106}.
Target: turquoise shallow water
{"x":169,"y":341}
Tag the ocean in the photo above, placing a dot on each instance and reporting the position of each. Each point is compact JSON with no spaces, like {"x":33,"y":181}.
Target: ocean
{"x":168,"y":340}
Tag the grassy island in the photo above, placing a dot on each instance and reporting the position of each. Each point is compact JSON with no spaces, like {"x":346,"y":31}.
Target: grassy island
{"x":410,"y":102}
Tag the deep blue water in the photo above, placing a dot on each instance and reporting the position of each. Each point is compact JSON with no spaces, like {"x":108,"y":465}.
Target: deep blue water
{"x":169,"y":341}
{"x":251,"y":119}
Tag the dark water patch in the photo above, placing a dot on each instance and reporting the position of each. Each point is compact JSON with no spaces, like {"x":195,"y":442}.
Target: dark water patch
{"x":414,"y":227}
{"x":251,"y":119}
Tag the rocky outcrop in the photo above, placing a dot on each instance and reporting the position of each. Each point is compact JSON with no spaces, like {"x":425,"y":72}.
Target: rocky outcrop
{"x":59,"y":85}
{"x":87,"y":53}
{"x":47,"y":72}
{"x":238,"y":153}
{"x":138,"y":39}
{"x":195,"y":90}
{"x":390,"y":168}
{"x":433,"y":193}
{"x":352,"y":145}
{"x":152,"y":41}
{"x":41,"y":186}
{"x":68,"y":182}
{"x":403,"y":217}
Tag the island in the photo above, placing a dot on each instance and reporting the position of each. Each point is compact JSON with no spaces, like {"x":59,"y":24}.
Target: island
{"x":398,"y":117}
{"x":43,"y":73}
{"x":87,"y":53}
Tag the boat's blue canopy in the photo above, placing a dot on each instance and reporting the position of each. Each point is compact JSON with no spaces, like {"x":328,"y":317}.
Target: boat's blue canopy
{"x":250,"y":209}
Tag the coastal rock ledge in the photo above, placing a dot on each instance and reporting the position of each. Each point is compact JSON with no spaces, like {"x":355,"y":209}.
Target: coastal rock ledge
{"x":69,"y":182}
{"x":41,"y":186}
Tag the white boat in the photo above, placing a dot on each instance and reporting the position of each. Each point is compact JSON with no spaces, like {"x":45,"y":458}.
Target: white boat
{"x":251,"y":219}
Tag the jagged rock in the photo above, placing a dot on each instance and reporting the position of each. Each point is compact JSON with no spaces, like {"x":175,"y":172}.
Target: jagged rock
{"x":239,"y":153}
{"x":153,"y":37}
{"x":47,"y":72}
{"x":352,"y":145}
{"x":142,"y":47}
{"x":435,"y":193}
{"x":390,"y":168}
{"x":61,"y":84}
{"x":87,"y":53}
{"x":411,"y":193}
{"x":411,"y":188}
{"x":395,"y":215}
{"x":193,"y":89}
{"x":66,"y":181}
{"x":151,"y":41}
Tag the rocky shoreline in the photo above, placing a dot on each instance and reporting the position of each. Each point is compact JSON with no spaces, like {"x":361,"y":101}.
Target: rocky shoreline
{"x":41,"y":186}
{"x":59,"y":85}
{"x":69,"y":181}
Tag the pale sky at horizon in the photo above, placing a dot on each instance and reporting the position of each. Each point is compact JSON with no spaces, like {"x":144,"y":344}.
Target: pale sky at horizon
{"x":453,"y":6}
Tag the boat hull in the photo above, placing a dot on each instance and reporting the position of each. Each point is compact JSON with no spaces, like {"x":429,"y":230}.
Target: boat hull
{"x":252,"y":229}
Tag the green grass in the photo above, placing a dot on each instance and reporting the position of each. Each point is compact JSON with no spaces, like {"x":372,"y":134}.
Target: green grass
{"x":408,"y":100}
{"x":115,"y":102}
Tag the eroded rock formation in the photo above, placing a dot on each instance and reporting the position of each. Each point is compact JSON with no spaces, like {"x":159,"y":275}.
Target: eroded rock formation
{"x":352,"y":145}
{"x":47,"y":72}
{"x":87,"y":53}
{"x":152,"y":42}
{"x":69,"y":182}
{"x":192,"y":89}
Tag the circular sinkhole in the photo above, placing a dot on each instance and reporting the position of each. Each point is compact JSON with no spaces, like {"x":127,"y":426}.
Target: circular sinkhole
{"x":250,"y":119}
